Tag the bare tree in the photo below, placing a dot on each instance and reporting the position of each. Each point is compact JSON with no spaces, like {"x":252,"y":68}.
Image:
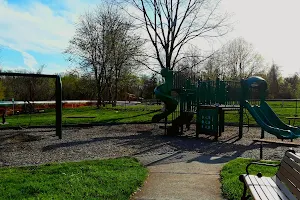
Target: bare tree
{"x":102,"y":45}
{"x":241,"y":59}
{"x":174,"y":24}
{"x":235,"y":60}
{"x":212,"y":69}
{"x":191,"y":63}
{"x":273,"y":77}
{"x":87,"y":48}
{"x":124,"y":47}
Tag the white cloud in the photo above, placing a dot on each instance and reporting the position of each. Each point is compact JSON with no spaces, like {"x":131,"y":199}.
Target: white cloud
{"x":53,"y":68}
{"x":35,"y":27}
{"x":29,"y":60}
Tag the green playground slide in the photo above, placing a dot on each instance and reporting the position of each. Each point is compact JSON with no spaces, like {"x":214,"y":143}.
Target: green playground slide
{"x":269,"y":121}
{"x":270,"y":114}
{"x":170,"y":103}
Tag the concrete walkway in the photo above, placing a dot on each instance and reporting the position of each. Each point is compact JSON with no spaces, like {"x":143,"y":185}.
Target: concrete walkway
{"x":182,"y":176}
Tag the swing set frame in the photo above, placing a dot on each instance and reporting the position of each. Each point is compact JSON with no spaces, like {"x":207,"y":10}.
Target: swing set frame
{"x":58,"y":96}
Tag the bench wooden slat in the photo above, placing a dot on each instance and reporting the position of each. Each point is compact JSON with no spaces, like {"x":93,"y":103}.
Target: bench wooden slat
{"x":283,"y":188}
{"x":285,"y":185}
{"x":251,"y":187}
{"x":266,"y":188}
{"x":288,"y":183}
{"x":292,"y":164}
{"x":275,"y":187}
{"x":295,"y":157}
{"x":290,"y":173}
{"x":258,"y":188}
{"x":272,"y":189}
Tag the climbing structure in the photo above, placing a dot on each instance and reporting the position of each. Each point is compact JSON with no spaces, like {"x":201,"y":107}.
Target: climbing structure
{"x":185,"y":96}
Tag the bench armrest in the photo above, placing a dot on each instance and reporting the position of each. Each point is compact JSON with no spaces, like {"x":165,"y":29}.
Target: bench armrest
{"x":260,"y":163}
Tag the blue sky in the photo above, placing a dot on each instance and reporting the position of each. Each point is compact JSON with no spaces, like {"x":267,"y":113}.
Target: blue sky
{"x":35,"y":33}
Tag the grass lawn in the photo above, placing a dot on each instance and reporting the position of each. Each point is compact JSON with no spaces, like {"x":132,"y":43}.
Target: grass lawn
{"x":129,"y":114}
{"x":98,"y":179}
{"x":232,"y":188}
{"x":108,"y":114}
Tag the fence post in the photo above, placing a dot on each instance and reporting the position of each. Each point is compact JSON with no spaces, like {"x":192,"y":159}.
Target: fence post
{"x":296,"y":108}
{"x":241,"y":120}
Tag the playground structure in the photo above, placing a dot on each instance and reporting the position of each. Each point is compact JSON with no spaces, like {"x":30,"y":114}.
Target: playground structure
{"x":185,"y":97}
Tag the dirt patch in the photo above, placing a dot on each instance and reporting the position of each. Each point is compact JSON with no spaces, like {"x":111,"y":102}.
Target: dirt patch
{"x":18,"y":138}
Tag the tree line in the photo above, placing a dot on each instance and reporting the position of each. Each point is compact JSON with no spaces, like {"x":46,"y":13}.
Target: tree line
{"x":74,"y":87}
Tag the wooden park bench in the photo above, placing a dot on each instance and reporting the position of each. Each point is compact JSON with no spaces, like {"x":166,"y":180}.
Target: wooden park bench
{"x":284,"y":185}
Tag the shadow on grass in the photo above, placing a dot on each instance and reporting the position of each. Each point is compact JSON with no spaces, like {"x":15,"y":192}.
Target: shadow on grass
{"x":116,"y":120}
{"x":87,"y":123}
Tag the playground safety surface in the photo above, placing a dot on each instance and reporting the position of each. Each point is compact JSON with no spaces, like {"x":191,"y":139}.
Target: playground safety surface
{"x":187,"y":161}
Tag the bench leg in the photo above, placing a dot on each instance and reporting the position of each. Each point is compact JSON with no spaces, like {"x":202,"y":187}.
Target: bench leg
{"x":261,"y":151}
{"x":262,"y":134}
{"x":244,"y":197}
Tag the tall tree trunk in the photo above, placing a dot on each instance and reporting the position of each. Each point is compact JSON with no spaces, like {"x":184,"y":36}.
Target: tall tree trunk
{"x":116,"y":92}
{"x":116,"y":87}
{"x":99,"y":100}
{"x":111,"y":96}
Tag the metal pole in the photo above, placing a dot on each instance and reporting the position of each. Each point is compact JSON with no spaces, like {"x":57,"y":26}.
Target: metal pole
{"x":241,"y":110}
{"x":58,"y":99}
{"x":166,"y":121}
{"x":241,"y":120}
{"x":13,"y":101}
{"x":262,"y":136}
{"x":296,"y":107}
{"x":261,"y":151}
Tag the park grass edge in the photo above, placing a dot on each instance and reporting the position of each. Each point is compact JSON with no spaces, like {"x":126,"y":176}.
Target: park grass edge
{"x":137,"y":187}
{"x":231,"y":187}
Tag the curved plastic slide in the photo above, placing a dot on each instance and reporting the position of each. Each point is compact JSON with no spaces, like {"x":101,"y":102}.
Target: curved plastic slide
{"x":170,"y":103}
{"x":271,"y":115}
{"x":264,"y":117}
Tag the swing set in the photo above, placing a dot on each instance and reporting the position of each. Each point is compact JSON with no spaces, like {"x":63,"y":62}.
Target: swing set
{"x":58,"y":96}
